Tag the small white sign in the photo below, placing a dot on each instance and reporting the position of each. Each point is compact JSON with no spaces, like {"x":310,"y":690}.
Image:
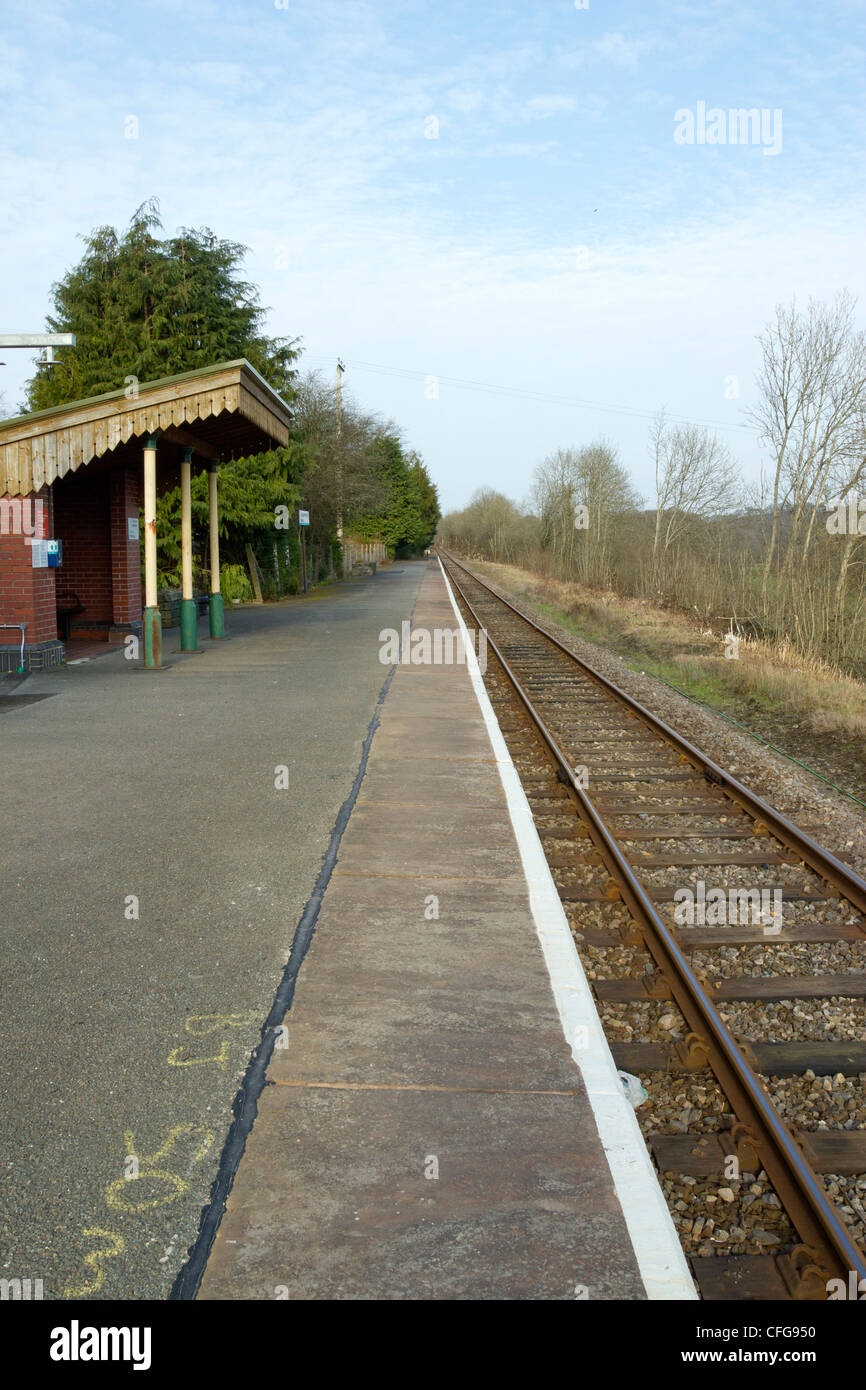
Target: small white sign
{"x":132,"y":528}
{"x":303,"y":518}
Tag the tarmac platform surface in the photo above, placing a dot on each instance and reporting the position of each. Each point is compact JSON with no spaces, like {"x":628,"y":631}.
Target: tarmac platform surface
{"x":425,"y":1132}
{"x":153,"y":869}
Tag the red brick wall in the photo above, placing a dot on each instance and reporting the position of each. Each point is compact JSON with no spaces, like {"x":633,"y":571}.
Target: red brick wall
{"x":125,"y":500}
{"x":81,"y":522}
{"x":26,"y":594}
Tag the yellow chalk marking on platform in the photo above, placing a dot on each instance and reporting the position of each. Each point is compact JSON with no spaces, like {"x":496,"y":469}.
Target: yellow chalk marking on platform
{"x":94,"y":1261}
{"x":221,"y":1058}
{"x":201,"y":1024}
{"x":118,"y":1192}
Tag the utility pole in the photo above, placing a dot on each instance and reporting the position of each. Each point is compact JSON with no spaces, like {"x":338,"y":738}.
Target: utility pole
{"x":340,"y":369}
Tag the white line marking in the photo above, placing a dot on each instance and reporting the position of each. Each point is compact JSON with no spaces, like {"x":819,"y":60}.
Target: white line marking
{"x":659,"y":1255}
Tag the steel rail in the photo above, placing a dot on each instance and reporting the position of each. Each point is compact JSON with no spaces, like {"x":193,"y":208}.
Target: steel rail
{"x":825,"y":864}
{"x":828,"y":1249}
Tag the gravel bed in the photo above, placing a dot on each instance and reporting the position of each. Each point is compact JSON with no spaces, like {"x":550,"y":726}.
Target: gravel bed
{"x":728,"y":1218}
{"x":802,"y":1020}
{"x":586,"y":876}
{"x":581,"y":876}
{"x":790,"y":876}
{"x":605,"y":916}
{"x":708,"y":843}
{"x":820,"y":1102}
{"x":681,"y":1103}
{"x":783,"y":958}
{"x":643,"y":821}
{"x":729,"y":962}
{"x":653,"y":1020}
{"x":612,"y":962}
{"x":695,"y":1104}
{"x":849,"y":1194}
{"x":794,"y":914}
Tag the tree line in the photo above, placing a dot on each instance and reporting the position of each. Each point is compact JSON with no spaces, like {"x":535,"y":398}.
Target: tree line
{"x":146,"y":306}
{"x":783,"y":560}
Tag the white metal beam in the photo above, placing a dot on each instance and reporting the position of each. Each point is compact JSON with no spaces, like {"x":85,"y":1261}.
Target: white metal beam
{"x":31,"y":340}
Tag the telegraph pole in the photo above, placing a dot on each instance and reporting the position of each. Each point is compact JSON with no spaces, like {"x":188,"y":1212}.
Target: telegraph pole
{"x":340,"y":369}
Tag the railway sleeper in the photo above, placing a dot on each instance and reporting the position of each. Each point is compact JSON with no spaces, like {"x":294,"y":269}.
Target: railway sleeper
{"x":771,"y":1059}
{"x":707,"y":938}
{"x":611,"y":893}
{"x":754,"y":1278}
{"x":706,"y":1155}
{"x":632,"y":989}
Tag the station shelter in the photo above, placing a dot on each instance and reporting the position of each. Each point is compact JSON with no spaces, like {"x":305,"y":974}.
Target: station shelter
{"x":74,"y":481}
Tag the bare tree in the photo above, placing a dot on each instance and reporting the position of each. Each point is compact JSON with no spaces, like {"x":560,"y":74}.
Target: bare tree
{"x":847,"y":479}
{"x":491,"y":527}
{"x":338,"y":461}
{"x":696,"y":480}
{"x":553,"y":497}
{"x":812,"y":386}
{"x":602,"y":486}
{"x":578,"y":495}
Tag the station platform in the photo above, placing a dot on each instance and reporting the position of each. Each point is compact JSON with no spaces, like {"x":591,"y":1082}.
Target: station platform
{"x":429,"y":1130}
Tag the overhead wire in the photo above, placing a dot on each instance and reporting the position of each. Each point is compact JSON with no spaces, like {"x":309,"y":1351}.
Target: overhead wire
{"x":524,"y":393}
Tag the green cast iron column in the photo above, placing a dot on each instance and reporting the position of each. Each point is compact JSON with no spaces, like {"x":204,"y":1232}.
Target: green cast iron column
{"x":152,"y":622}
{"x":188,"y":612}
{"x":217,"y":624}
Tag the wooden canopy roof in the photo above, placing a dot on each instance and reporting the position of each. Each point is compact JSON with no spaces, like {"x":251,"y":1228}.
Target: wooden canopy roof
{"x":227,"y":410}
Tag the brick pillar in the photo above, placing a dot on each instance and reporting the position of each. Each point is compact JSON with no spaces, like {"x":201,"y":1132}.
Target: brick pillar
{"x":27,"y":595}
{"x":124,"y":502}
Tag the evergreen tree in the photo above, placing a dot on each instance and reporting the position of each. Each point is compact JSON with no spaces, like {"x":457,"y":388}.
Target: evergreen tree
{"x":144,"y":307}
{"x":406,"y":522}
{"x":428,"y":501}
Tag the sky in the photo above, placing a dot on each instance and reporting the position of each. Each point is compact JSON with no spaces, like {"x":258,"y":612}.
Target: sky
{"x":517,"y":224}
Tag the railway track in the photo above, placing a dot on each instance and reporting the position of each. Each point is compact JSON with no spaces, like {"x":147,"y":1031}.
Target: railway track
{"x":664,"y":859}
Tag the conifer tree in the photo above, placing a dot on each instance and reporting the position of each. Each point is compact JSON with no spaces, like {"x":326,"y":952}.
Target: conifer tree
{"x":150,"y":308}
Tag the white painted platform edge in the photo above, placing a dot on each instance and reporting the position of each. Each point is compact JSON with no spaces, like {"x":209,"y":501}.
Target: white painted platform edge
{"x":657,"y":1248}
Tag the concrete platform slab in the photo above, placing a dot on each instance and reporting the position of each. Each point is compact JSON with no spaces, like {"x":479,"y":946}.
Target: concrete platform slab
{"x":424,"y":734}
{"x":337,"y":1204}
{"x":380,"y":920}
{"x":433,"y":781}
{"x":392,"y":997}
{"x":426,"y":840}
{"x":412,"y":699}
